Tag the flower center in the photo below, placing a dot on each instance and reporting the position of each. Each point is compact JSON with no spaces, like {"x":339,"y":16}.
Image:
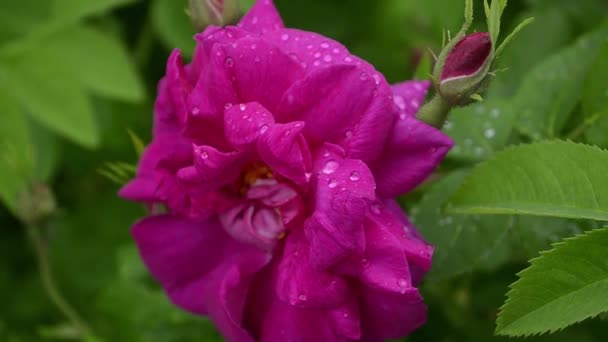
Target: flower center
{"x":252,"y":173}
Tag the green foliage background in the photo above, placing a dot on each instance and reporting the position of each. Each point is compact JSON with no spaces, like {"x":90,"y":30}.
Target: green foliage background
{"x":77,"y":75}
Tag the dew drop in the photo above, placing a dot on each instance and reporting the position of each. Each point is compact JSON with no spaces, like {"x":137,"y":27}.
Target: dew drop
{"x":377,"y":78}
{"x":229,"y":62}
{"x":336,"y":51}
{"x":316,"y":63}
{"x":256,"y":59}
{"x":317,"y":55}
{"x":196,"y":111}
{"x":254,"y":46}
{"x":348,"y":59}
{"x":402,"y":282}
{"x":346,"y":315}
{"x":254,"y":20}
{"x":354,"y":176}
{"x":204,"y":155}
{"x":330,"y":167}
{"x":495,"y":113}
{"x":242,"y":107}
{"x":228,"y":105}
{"x":348,"y":134}
{"x":327,"y":58}
{"x":284,"y":36}
{"x":363,"y":76}
{"x":263,"y":129}
{"x":325,"y":45}
{"x":489,"y":133}
{"x":332,"y":183}
{"x":308,"y":175}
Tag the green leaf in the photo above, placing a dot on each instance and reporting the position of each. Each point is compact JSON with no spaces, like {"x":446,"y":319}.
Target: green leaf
{"x":465,"y":243}
{"x":65,"y":109}
{"x":595,"y":99}
{"x":563,"y":286}
{"x":68,"y":11}
{"x":173,"y":25}
{"x":16,"y":156}
{"x":557,"y":178}
{"x":480,"y":130}
{"x":424,"y":68}
{"x":551,"y":90}
{"x":98,"y":60}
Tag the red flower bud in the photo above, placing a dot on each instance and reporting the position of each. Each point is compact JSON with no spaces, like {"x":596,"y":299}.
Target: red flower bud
{"x":468,"y":57}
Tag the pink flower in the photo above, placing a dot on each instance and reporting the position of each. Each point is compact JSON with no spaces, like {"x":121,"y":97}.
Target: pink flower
{"x":277,"y":155}
{"x":468,"y":57}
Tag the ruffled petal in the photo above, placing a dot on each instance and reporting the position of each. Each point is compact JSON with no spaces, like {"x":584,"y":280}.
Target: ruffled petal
{"x":244,"y":123}
{"x":216,"y":284}
{"x":285,"y":150}
{"x":262,"y":18}
{"x":389,"y":315}
{"x":344,"y":190}
{"x":409,"y":96}
{"x":300,"y":284}
{"x":260,"y":71}
{"x":413,"y":151}
{"x":212,"y":168}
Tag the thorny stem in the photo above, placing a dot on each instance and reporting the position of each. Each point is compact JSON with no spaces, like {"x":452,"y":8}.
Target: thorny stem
{"x":42,"y":254}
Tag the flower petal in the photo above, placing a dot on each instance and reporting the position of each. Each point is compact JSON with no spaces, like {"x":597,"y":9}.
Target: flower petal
{"x":300,"y":284}
{"x":216,"y":284}
{"x":243,"y":123}
{"x":413,"y":151}
{"x":212,"y":168}
{"x":260,"y":71}
{"x":262,"y":17}
{"x":344,"y":190}
{"x":409,"y":96}
{"x":283,"y":148}
{"x":388,"y":315}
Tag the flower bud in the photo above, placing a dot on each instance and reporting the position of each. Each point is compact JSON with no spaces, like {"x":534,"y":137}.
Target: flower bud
{"x":466,"y":69}
{"x":213,"y":12}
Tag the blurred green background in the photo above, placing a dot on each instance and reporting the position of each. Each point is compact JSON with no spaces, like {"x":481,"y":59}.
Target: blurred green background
{"x":77,"y":75}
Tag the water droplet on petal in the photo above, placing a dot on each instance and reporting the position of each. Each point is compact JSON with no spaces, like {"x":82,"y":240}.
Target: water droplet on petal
{"x":327,"y":58}
{"x":363,"y":76}
{"x":377,"y":78}
{"x":317,"y":55}
{"x":303,"y":297}
{"x":325,"y":45}
{"x":196,"y":111}
{"x":332,"y":183}
{"x":346,"y":315}
{"x":228,"y":105}
{"x":348,"y":59}
{"x":242,"y":107}
{"x":355,"y":176}
{"x":229,"y":62}
{"x":330,"y":167}
{"x":263,"y":129}
{"x":308,"y":175}
{"x":348,"y":134}
{"x":316,"y":63}
{"x":402,"y":282}
{"x":204,"y":155}
{"x":284,"y":36}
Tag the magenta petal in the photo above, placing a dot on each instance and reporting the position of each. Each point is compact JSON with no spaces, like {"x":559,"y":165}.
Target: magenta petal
{"x":330,"y":100}
{"x":344,"y":190}
{"x":243,"y":123}
{"x":260,"y":71}
{"x":262,"y":17}
{"x":285,"y":150}
{"x":389,"y":315}
{"x":300,"y":284}
{"x":216,"y":284}
{"x":212,"y":168}
{"x":413,"y":151}
{"x":409,"y":96}
{"x":178,"y":85}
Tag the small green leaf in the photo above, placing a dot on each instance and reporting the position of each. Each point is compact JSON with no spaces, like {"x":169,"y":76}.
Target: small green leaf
{"x":16,"y":156}
{"x":64,"y":109}
{"x":465,"y":243}
{"x":480,"y":130}
{"x":110,"y":72}
{"x":424,"y":68}
{"x":68,"y":11}
{"x":173,"y":25}
{"x":560,"y":179}
{"x":551,"y":90}
{"x":563,"y":286}
{"x":595,"y":99}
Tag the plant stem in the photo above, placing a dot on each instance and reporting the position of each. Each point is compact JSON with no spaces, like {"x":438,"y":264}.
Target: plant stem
{"x":435,"y":112}
{"x":42,"y":253}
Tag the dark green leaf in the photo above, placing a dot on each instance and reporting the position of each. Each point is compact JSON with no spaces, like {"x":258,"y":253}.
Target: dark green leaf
{"x":173,"y":25}
{"x":595,"y":99}
{"x":563,"y":286}
{"x":556,"y":178}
